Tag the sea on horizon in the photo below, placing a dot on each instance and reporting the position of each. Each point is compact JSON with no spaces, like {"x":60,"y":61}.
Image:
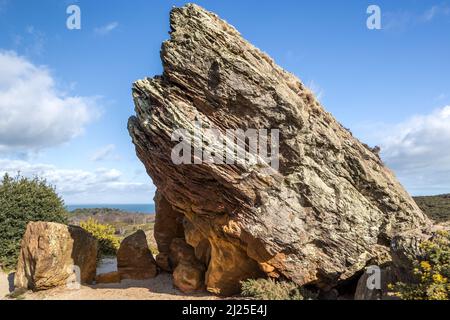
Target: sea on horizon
{"x":137,"y":208}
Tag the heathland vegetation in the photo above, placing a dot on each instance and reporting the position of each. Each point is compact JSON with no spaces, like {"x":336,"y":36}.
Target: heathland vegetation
{"x":436,"y":207}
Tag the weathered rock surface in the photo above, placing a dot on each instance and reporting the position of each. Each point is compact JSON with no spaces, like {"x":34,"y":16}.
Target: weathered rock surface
{"x":193,"y":237}
{"x":49,"y":252}
{"x":189,"y":277}
{"x":319,"y":219}
{"x":134,"y":258}
{"x":188,"y":274}
{"x":181,"y":251}
{"x":168,"y":226}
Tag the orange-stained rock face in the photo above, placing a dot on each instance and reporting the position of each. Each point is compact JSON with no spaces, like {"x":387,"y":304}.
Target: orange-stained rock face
{"x":315,"y":220}
{"x":229,"y":265}
{"x":198,"y":241}
{"x":189,"y":272}
{"x":189,"y":276}
{"x":51,"y":254}
{"x":134,"y":258}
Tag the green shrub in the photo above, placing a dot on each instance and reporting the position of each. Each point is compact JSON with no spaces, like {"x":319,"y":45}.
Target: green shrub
{"x":23,"y":200}
{"x":432,"y":272}
{"x":105,"y":234}
{"x":269,"y":289}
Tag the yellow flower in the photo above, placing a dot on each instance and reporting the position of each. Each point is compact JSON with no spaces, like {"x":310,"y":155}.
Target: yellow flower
{"x":438,"y":278}
{"x":425,"y":265}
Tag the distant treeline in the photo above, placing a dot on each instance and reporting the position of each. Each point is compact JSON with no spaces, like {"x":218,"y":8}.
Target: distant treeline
{"x":436,"y":207}
{"x":110,"y":216}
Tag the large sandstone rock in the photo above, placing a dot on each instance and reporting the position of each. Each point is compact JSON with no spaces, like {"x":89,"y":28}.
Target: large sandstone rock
{"x":134,"y":258}
{"x":49,"y":252}
{"x":317,"y":220}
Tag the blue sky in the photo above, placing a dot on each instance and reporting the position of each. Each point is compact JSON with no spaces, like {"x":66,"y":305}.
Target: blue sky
{"x":68,"y":120}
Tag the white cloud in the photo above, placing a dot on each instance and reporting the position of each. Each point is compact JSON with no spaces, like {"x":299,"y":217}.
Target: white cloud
{"x":435,"y":11}
{"x":34,"y":114}
{"x":32,"y":41}
{"x":401,"y":20}
{"x":105,"y":153}
{"x":104,"y":30}
{"x":82,"y":186}
{"x":418,"y":150}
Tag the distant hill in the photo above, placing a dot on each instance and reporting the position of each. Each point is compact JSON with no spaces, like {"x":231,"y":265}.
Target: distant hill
{"x":436,"y":207}
{"x":110,"y":216}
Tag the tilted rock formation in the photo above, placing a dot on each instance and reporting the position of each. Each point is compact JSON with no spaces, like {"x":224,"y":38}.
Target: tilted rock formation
{"x":330,"y":208}
{"x":49,"y":252}
{"x":134,"y":258}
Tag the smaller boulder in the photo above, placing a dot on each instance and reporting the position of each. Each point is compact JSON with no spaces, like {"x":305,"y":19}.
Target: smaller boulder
{"x":54,"y":255}
{"x":134,"y":258}
{"x":189,"y":272}
{"x":189,"y":276}
{"x":110,"y":277}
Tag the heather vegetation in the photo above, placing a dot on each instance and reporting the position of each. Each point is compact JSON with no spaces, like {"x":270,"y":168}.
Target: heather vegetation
{"x":436,"y":207}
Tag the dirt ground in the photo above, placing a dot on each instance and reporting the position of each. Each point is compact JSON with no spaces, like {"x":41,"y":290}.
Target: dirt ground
{"x":4,"y":284}
{"x":159,"y":288}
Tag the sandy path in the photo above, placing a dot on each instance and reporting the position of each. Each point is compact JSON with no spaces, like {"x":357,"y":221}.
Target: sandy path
{"x":159,"y":288}
{"x":4,"y":285}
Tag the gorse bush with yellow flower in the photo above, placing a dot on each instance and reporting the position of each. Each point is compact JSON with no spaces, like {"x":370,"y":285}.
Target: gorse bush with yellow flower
{"x":105,"y":234}
{"x":432,"y":272}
